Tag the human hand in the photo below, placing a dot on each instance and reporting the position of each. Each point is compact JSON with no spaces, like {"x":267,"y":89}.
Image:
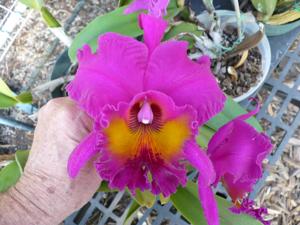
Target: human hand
{"x":45,"y":182}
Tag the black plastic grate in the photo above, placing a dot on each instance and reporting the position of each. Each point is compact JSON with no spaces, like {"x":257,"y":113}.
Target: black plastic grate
{"x":101,"y":209}
{"x":287,"y":89}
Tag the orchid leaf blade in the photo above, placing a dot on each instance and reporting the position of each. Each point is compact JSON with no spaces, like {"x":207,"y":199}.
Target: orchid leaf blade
{"x":182,"y":29}
{"x":134,"y":207}
{"x":124,"y":2}
{"x":9,"y":176}
{"x":104,"y":187}
{"x":205,"y":134}
{"x":6,"y":101}
{"x":187,"y":202}
{"x":49,"y":18}
{"x":265,"y":7}
{"x":114,"y":21}
{"x":5,"y":90}
{"x":33,"y":4}
{"x":21,"y":159}
{"x":25,"y":97}
{"x":145,"y":198}
{"x":9,"y":99}
{"x":231,"y":110}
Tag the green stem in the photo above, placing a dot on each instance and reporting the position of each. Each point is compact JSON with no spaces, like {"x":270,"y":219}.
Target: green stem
{"x":49,"y":18}
{"x":55,"y":27}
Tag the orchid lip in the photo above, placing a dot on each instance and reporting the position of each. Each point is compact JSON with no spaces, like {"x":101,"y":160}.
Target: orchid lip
{"x":145,"y":115}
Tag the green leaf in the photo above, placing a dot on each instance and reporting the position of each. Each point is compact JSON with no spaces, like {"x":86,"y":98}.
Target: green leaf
{"x":181,"y":28}
{"x":131,"y":212}
{"x":105,"y":188}
{"x":265,"y":7}
{"x":5,"y":90}
{"x":205,"y":134}
{"x":9,"y":176}
{"x":124,"y":2}
{"x":9,"y":99}
{"x":34,"y":4}
{"x":180,"y":3}
{"x":6,"y":101}
{"x":145,"y":198}
{"x":284,"y":5}
{"x":21,"y":157}
{"x":49,"y":18}
{"x":25,"y":97}
{"x":115,"y":21}
{"x":187,"y":203}
{"x":231,"y":110}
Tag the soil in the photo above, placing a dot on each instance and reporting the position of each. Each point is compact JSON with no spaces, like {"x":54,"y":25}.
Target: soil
{"x":248,"y":74}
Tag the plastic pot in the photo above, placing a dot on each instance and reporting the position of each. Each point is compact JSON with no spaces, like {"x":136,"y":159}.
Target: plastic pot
{"x":263,"y":46}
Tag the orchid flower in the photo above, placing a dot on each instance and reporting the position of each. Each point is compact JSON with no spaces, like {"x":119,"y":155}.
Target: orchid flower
{"x":156,"y":8}
{"x":237,"y":151}
{"x":147,"y":101}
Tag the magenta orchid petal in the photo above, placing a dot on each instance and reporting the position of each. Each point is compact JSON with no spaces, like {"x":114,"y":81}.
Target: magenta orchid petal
{"x":82,"y":154}
{"x":159,"y":7}
{"x":205,"y":60}
{"x":237,"y":188}
{"x":155,"y":8}
{"x":187,"y":82}
{"x":154,"y":29}
{"x":237,"y":151}
{"x":198,"y":158}
{"x":113,"y":74}
{"x":209,"y":204}
{"x":137,"y":5}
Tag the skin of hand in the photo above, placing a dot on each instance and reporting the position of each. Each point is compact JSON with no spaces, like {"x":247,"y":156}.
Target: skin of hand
{"x":45,"y":193}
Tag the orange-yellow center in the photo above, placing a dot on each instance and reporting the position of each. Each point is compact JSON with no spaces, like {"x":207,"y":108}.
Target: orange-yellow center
{"x":167,"y":142}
